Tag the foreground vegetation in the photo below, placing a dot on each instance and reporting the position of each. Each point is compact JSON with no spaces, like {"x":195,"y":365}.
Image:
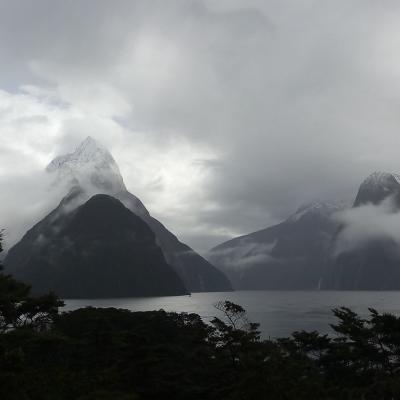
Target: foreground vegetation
{"x":114,"y":354}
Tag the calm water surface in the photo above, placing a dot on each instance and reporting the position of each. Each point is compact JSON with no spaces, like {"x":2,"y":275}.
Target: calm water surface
{"x":279,"y":312}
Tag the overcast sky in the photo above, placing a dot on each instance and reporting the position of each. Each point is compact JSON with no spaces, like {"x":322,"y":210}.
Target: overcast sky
{"x":224,"y":116}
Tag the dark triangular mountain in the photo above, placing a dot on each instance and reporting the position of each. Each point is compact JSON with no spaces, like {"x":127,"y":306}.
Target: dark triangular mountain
{"x":92,"y":168}
{"x":374,"y":262}
{"x":99,"y":249}
{"x":289,"y":255}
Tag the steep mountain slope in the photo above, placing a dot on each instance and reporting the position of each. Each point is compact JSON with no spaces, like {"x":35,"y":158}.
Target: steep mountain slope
{"x":92,"y":169}
{"x":367,"y":262}
{"x":100,"y":249}
{"x":289,"y":255}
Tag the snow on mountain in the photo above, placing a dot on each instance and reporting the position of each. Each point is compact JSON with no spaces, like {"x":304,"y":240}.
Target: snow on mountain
{"x":90,"y":165}
{"x":87,"y":151}
{"x":92,"y":168}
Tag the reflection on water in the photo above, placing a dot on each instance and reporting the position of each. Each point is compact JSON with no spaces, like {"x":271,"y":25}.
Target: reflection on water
{"x":279,"y":312}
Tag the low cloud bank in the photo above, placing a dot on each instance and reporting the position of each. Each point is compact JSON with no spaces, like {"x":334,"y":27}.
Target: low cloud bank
{"x":361,"y":225}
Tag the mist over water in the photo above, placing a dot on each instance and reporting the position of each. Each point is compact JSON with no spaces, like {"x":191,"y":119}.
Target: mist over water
{"x":279,"y":312}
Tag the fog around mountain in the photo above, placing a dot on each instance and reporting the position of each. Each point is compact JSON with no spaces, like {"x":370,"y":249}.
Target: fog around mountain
{"x":287,"y":256}
{"x":324,"y":246}
{"x":87,"y":171}
{"x":365,"y":251}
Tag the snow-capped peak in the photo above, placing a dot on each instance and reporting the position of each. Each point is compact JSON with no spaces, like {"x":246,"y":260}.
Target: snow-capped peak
{"x":90,"y":148}
{"x":90,"y":164}
{"x":88,"y":151}
{"x":316,"y":208}
{"x":382,"y":179}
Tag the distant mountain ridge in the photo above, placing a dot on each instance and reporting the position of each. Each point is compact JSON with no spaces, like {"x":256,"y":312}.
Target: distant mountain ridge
{"x":304,"y":252}
{"x":289,"y":255}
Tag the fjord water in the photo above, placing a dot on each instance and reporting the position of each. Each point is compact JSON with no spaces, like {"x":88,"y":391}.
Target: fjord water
{"x":278,"y":312}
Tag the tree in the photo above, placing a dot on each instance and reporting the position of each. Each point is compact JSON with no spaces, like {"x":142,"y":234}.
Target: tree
{"x":18,"y":308}
{"x":236,"y":336}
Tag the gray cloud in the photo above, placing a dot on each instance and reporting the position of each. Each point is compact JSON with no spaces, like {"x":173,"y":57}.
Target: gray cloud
{"x":223,"y":116}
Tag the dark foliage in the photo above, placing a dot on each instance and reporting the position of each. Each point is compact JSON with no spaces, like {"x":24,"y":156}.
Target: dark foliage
{"x":115,"y":354}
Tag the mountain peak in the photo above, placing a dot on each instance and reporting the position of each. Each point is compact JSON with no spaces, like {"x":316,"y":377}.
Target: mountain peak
{"x":90,"y":145}
{"x":381,"y":178}
{"x":89,"y":141}
{"x":90,"y":163}
{"x":377,"y":187}
{"x":87,"y":151}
